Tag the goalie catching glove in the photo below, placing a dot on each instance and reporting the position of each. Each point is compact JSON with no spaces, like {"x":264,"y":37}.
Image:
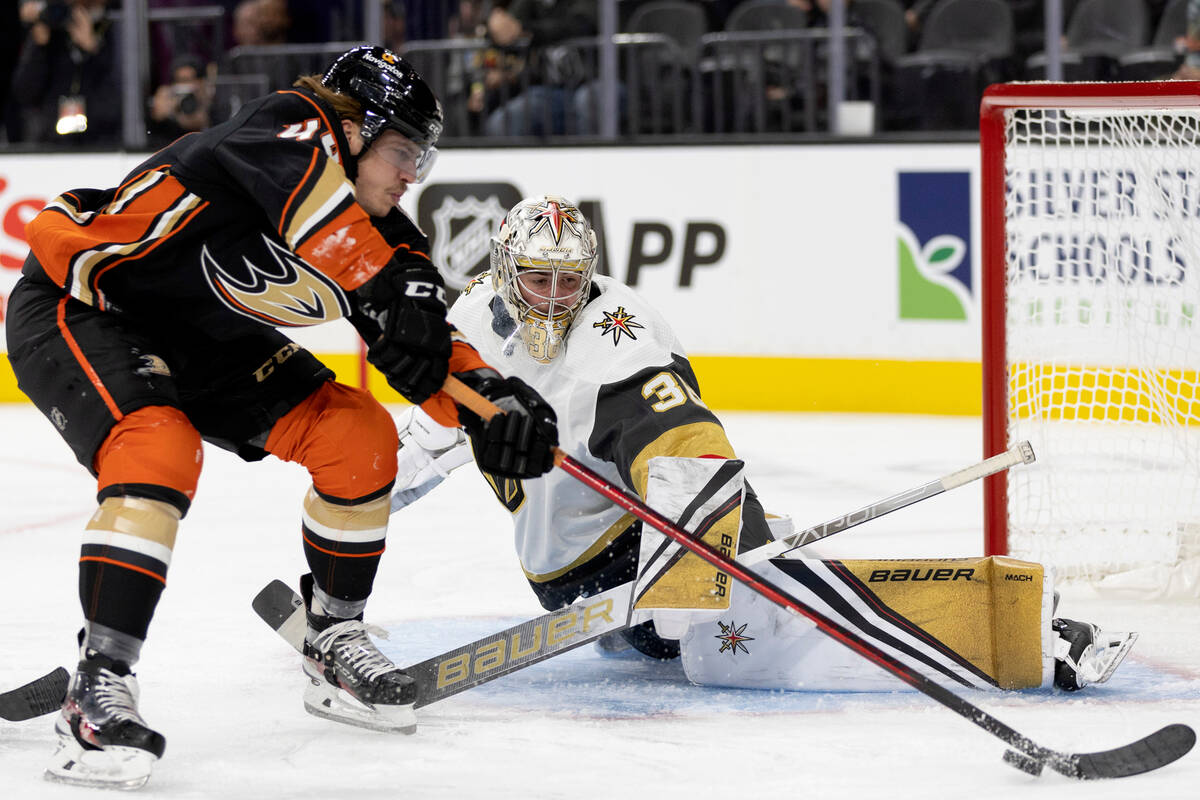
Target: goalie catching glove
{"x":518,"y":443}
{"x":408,"y":303}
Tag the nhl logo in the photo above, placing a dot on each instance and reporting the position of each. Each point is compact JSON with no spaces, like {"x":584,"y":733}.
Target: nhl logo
{"x":461,"y":219}
{"x":462,"y":234}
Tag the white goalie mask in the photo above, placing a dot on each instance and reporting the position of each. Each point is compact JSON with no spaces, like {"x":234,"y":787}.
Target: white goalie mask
{"x":542,"y":264}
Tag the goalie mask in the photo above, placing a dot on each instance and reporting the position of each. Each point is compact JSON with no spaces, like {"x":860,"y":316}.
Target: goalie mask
{"x":542,"y":264}
{"x":392,"y":95}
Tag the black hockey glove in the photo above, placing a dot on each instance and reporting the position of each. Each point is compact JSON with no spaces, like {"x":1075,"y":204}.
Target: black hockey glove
{"x":408,"y":303}
{"x":518,"y":443}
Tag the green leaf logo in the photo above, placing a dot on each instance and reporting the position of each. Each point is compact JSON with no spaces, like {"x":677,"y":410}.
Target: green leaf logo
{"x":926,"y":291}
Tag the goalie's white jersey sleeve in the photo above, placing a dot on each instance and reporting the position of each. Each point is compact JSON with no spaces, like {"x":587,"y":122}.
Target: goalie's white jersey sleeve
{"x":623,"y":392}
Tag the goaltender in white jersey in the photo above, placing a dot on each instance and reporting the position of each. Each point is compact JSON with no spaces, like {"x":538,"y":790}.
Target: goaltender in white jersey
{"x":629,"y":408}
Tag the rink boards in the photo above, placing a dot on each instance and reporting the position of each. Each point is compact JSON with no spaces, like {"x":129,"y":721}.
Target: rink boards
{"x":799,"y":277}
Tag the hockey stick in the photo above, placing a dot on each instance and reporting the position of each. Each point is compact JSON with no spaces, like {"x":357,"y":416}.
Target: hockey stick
{"x":557,"y":632}
{"x":1020,"y":453}
{"x":485,"y":659}
{"x":1150,"y":752}
{"x":38,"y":697}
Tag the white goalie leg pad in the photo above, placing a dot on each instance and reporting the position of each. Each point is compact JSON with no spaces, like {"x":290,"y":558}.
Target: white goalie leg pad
{"x":110,"y":768}
{"x":428,"y":453}
{"x":758,"y":644}
{"x":703,"y":496}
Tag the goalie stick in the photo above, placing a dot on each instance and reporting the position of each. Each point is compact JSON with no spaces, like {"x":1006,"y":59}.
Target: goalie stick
{"x":1148,"y":753}
{"x":1020,"y":453}
{"x":38,"y":697}
{"x":557,"y":632}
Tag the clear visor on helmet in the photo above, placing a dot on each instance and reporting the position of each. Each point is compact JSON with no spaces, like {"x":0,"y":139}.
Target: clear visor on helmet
{"x":406,"y":155}
{"x":546,"y":295}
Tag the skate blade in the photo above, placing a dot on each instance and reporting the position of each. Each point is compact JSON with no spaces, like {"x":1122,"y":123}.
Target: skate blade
{"x":324,"y":701}
{"x":1116,"y":648}
{"x":124,"y":768}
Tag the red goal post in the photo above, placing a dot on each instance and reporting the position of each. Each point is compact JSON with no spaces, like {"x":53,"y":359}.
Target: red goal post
{"x":1090,"y":281}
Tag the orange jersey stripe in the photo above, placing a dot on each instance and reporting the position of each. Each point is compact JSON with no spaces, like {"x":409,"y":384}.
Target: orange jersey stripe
{"x":69,"y":338}
{"x":348,"y":248}
{"x":309,"y":542}
{"x":75,"y":247}
{"x":116,"y":563}
{"x":463,"y":358}
{"x":160,"y":240}
{"x":312,"y":165}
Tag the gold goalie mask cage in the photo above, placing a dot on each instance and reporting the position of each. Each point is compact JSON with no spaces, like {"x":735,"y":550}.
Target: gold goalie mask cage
{"x":542,"y":263}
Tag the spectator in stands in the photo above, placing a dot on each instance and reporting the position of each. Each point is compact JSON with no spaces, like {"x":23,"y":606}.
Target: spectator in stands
{"x":203,"y":37}
{"x":429,"y":20}
{"x":181,"y":106}
{"x":260,"y":22}
{"x":1189,"y":70}
{"x":66,"y":86}
{"x":395,"y":25}
{"x":10,"y":44}
{"x":817,"y":10}
{"x":556,"y":101}
{"x":470,"y":21}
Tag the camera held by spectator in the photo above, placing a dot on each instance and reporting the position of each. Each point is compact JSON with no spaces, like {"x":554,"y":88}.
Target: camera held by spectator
{"x":183,"y":105}
{"x":54,"y":14}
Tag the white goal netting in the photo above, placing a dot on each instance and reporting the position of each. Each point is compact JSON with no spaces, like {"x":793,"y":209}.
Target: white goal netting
{"x":1102,"y":327}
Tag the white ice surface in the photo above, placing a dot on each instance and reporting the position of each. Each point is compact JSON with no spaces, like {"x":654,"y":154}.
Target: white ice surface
{"x":226,"y":692}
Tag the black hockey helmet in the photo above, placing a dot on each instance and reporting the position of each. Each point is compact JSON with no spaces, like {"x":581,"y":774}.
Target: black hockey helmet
{"x":391,"y":93}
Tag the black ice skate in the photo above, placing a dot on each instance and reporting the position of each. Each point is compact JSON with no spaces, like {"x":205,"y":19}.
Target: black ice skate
{"x":103,"y":741}
{"x":1085,"y":654}
{"x":350,"y":681}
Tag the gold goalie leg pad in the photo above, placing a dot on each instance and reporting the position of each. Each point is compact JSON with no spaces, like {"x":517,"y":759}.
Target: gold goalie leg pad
{"x":991,"y":612}
{"x":982,"y":622}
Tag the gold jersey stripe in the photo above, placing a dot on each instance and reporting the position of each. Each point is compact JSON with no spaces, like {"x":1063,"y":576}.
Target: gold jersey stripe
{"x":615,"y":530}
{"x":688,"y":441}
{"x":136,"y":518}
{"x":364,"y":522}
{"x":322,"y":200}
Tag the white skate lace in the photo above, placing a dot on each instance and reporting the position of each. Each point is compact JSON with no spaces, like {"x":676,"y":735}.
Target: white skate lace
{"x":115,"y":697}
{"x":354,"y":647}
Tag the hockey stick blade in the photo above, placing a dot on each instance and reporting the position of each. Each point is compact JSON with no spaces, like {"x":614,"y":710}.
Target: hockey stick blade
{"x":42,"y":696}
{"x":1146,"y":754}
{"x":283,"y":609}
{"x":485,"y":659}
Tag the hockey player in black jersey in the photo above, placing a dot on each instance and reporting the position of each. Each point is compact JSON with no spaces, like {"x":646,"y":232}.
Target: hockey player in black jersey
{"x":147,"y":321}
{"x":630,"y":409}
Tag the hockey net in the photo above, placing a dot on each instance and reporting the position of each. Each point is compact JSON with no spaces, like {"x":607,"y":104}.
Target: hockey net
{"x":1091,"y":320}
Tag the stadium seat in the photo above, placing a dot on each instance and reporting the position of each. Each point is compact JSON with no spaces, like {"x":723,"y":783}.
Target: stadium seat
{"x":1162,"y":57}
{"x":765,"y":15}
{"x":684,"y":22}
{"x":964,"y":46}
{"x":884,"y":20}
{"x":1098,"y":33}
